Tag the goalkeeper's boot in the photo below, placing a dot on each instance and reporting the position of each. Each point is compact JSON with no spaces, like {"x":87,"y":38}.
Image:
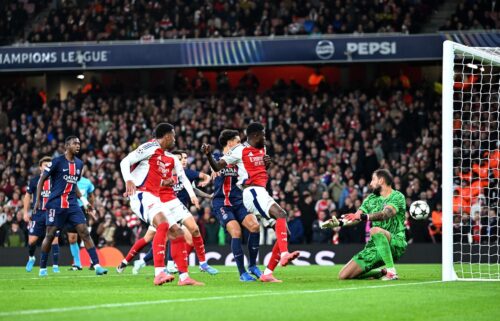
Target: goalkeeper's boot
{"x":138,"y":265}
{"x":288,"y":257}
{"x":269,"y":278}
{"x":207,"y":268}
{"x":30,"y":264}
{"x":390,"y":275}
{"x":245,"y":277}
{"x":99,"y":270}
{"x":255,"y":271}
{"x":329,"y":224}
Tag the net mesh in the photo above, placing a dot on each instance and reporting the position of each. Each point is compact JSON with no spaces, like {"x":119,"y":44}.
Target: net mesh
{"x":476,"y":164}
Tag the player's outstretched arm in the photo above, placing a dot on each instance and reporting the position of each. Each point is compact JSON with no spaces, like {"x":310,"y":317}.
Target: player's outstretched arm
{"x":216,"y":165}
{"x":205,"y":179}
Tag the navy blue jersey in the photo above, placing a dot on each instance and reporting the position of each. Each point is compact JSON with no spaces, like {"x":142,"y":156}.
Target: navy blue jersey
{"x":225,"y":189}
{"x":182,"y":194}
{"x":45,"y":191}
{"x":64,"y":176}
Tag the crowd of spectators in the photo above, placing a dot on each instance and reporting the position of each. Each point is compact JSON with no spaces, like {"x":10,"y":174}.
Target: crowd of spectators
{"x":325,"y":147}
{"x":15,"y":15}
{"x":99,"y":20}
{"x":474,"y":15}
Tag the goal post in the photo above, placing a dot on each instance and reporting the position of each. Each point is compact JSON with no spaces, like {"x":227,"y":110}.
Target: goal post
{"x":470,"y":163}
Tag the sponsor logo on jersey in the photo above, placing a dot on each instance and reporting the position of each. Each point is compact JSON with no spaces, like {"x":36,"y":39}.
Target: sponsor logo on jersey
{"x":71,"y":178}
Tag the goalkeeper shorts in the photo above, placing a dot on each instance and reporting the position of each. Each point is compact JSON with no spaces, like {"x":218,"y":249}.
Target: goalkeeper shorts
{"x":369,"y":258}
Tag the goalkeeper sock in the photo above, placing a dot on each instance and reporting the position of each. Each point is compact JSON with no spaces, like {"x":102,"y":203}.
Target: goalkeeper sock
{"x":375,"y":273}
{"x":384,"y":250}
{"x":75,"y":252}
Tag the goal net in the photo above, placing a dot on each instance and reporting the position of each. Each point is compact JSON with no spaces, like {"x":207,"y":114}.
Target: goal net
{"x":471,"y":162}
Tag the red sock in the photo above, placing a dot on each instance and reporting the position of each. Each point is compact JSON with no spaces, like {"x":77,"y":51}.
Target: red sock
{"x":199,"y":247}
{"x":179,"y":254}
{"x":189,"y":248}
{"x":136,"y":248}
{"x":275,"y":257}
{"x":281,"y":234}
{"x":159,"y":244}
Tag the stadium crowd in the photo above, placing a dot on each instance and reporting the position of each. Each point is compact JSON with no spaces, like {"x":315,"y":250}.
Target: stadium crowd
{"x":324,"y":147}
{"x":473,"y":15}
{"x":72,"y":20}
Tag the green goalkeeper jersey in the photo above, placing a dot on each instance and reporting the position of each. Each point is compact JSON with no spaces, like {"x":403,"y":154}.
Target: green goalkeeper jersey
{"x":373,"y":204}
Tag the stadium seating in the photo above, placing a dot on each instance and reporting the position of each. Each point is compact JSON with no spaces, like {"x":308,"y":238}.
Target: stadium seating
{"x":125,"y":20}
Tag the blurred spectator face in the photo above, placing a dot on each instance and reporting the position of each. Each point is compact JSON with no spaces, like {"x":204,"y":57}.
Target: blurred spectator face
{"x":14,"y":227}
{"x":321,"y":215}
{"x":324,"y":195}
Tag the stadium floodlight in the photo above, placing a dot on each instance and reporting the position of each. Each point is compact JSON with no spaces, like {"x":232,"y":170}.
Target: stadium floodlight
{"x":471,"y":162}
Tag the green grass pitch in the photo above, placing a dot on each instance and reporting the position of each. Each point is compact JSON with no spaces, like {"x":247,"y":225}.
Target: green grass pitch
{"x":308,"y":293}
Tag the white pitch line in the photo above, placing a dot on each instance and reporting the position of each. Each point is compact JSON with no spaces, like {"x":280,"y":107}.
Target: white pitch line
{"x":99,"y":277}
{"x":212,"y":298}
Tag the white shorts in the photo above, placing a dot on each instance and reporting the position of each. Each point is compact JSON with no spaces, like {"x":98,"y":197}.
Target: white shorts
{"x":176,"y":211}
{"x":145,"y":205}
{"x":257,"y":201}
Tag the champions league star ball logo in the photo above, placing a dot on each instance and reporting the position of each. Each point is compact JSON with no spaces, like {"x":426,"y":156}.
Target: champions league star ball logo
{"x":325,"y":49}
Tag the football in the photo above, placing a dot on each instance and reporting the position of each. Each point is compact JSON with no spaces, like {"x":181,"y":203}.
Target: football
{"x":419,"y":210}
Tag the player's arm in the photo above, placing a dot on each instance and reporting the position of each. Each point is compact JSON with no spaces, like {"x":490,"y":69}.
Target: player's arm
{"x":204,"y":179}
{"x":26,"y":206}
{"x":90,"y":208}
{"x":39,"y":188}
{"x":215,"y":165}
{"x":201,"y":193}
{"x":388,"y":212}
{"x":131,"y":159}
{"x":185,"y":181}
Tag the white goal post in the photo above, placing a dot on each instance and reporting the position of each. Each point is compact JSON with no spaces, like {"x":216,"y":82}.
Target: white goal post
{"x":470,"y":163}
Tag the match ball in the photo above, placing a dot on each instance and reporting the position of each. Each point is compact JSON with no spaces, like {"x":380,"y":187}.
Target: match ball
{"x":419,"y":210}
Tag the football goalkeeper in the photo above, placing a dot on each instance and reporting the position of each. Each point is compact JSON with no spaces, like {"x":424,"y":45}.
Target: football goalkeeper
{"x":385,"y":208}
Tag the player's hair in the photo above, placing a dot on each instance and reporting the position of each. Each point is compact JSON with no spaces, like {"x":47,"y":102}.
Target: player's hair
{"x":162,"y":129}
{"x":69,"y":139}
{"x":44,"y":160}
{"x":226,"y":135}
{"x":385,"y":174}
{"x":253,"y":128}
{"x":179,"y":152}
